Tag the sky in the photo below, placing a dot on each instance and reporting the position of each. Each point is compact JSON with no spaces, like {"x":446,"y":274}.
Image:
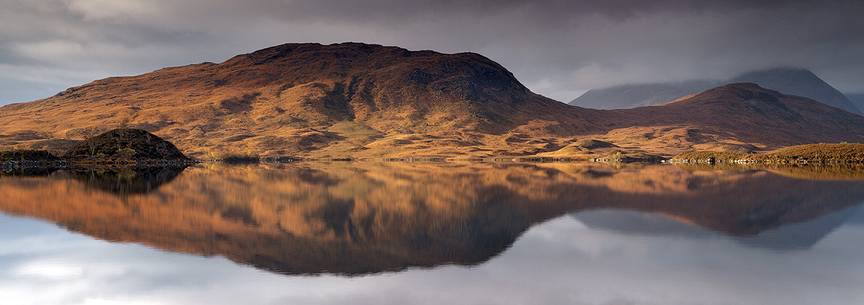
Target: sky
{"x":557,"y":48}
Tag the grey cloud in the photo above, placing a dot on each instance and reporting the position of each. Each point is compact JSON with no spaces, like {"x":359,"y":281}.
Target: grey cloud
{"x":558,"y":48}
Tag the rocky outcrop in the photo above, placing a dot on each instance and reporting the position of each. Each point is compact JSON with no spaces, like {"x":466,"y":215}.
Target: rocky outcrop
{"x":125,"y":146}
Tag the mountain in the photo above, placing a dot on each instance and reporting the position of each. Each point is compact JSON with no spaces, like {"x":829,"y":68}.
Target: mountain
{"x":799,"y":82}
{"x":740,"y":117}
{"x":638,"y":95}
{"x":792,"y":81}
{"x":358,"y":100}
{"x":302,"y":97}
{"x":750,"y":113}
{"x":857,"y":99}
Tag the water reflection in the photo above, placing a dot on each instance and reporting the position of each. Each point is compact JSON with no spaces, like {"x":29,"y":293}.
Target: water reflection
{"x":363,"y":218}
{"x":788,"y":237}
{"x":127,"y":181}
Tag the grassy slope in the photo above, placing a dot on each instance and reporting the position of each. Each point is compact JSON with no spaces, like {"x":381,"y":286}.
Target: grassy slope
{"x":809,"y":153}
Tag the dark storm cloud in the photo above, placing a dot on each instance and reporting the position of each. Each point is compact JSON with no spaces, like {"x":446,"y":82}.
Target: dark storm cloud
{"x":558,"y":48}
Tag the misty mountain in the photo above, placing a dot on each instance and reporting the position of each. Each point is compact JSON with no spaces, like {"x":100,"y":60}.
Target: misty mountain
{"x":792,"y":81}
{"x":857,"y":99}
{"x":638,"y":95}
{"x":800,"y":82}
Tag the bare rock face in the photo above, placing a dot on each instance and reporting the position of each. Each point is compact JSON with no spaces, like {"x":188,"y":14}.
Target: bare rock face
{"x":125,"y":146}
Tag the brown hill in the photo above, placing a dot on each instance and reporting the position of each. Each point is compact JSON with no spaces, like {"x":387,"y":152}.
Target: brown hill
{"x":361,"y":100}
{"x":748,"y":113}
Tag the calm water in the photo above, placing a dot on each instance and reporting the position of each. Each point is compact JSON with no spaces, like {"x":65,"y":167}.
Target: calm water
{"x":403,"y":233}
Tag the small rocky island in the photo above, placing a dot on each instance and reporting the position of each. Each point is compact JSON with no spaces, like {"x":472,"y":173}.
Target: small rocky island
{"x":118,"y":148}
{"x":125,"y":147}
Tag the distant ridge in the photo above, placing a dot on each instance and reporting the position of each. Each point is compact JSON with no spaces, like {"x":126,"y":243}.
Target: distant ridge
{"x":639,"y":95}
{"x":857,"y":99}
{"x":801,"y":82}
{"x":792,"y":81}
{"x":751,"y":113}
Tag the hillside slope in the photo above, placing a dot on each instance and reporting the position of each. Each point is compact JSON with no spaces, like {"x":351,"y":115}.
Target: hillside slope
{"x":358,"y":100}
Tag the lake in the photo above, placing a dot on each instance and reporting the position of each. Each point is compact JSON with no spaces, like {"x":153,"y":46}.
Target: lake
{"x":433,"y":233}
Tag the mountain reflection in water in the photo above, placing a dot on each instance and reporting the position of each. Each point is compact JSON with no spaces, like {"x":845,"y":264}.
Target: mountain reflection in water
{"x":361,"y":218}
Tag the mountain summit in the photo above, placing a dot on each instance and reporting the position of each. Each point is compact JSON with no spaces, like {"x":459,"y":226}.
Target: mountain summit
{"x":360,"y":100}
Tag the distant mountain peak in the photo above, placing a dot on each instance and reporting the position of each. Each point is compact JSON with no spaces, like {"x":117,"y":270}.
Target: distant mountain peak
{"x":786,"y":79}
{"x":800,"y":82}
{"x":638,"y":95}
